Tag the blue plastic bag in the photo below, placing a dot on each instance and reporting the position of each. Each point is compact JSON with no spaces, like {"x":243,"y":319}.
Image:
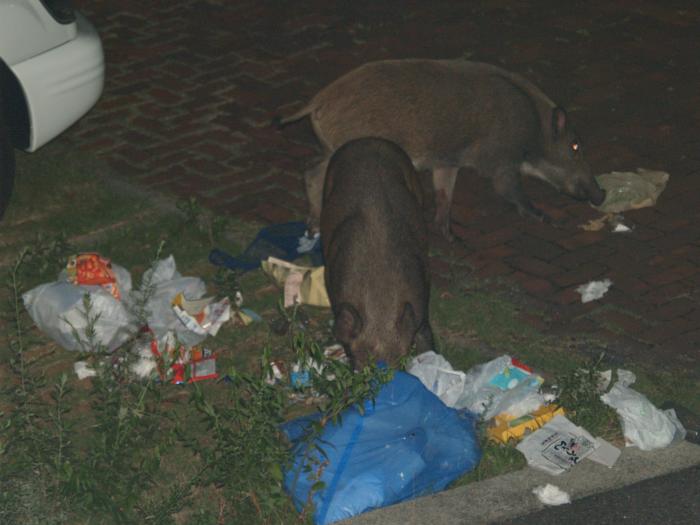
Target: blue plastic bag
{"x":286,"y":241}
{"x":408,"y":444}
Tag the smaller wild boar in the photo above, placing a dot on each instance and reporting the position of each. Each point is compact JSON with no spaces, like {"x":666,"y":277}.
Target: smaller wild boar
{"x":375,"y":247}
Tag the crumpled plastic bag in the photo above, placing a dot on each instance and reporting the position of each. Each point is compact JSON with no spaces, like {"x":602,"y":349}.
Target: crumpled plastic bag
{"x":167,"y":283}
{"x":57,"y":309}
{"x":477,"y":389}
{"x":627,"y":190}
{"x":643,"y":425}
{"x":302,"y":284}
{"x":405,"y":444}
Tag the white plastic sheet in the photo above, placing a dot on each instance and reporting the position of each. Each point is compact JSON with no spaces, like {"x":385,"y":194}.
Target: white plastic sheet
{"x":473,"y":390}
{"x":643,"y":425}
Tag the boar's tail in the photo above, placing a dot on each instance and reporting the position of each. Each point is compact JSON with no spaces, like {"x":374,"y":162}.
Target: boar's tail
{"x":279,"y":122}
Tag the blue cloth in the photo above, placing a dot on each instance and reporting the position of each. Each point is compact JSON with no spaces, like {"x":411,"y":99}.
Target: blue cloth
{"x":278,"y":240}
{"x":408,"y":444}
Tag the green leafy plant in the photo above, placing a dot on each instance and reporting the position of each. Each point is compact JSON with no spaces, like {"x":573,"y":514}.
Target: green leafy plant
{"x":579,"y":393}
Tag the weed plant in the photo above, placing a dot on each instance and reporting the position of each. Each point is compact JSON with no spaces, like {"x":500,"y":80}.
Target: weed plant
{"x":137,"y":451}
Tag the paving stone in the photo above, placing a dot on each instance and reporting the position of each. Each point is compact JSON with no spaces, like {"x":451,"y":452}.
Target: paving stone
{"x":192,"y":85}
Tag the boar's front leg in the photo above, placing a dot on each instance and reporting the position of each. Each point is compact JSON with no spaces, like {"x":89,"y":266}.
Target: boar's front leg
{"x":508,"y":184}
{"x":314,"y":179}
{"x":444,"y":185}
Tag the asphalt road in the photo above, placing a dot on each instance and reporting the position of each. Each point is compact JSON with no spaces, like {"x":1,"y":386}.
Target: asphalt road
{"x":673,"y":499}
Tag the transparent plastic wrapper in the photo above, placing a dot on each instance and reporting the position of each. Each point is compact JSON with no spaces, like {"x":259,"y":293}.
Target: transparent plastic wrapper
{"x":406,"y":444}
{"x":57,"y":309}
{"x":626,"y":190}
{"x":487,"y":389}
{"x":643,"y":425}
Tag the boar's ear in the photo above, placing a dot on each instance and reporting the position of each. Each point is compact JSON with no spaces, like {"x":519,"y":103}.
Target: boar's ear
{"x":348,"y":323}
{"x":558,"y":122}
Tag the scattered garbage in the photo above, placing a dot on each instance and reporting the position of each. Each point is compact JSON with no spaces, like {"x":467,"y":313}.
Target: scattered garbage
{"x":246,"y":316}
{"x":626,"y":190}
{"x":507,"y":429}
{"x":164,"y":284}
{"x":594,"y":290}
{"x":302,"y":284}
{"x":203,"y":316}
{"x":501,"y":385}
{"x":614,"y":220}
{"x":300,"y":374}
{"x":551,"y":495}
{"x":557,"y":446}
{"x":643,"y":425}
{"x":93,"y":291}
{"x":82,"y":370}
{"x":286,"y":241}
{"x":405,"y":444}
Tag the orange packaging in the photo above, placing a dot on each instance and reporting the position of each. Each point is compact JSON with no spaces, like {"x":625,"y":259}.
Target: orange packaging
{"x":92,"y":269}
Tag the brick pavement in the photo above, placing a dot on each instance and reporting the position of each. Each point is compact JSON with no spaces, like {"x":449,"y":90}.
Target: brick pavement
{"x":192,"y":85}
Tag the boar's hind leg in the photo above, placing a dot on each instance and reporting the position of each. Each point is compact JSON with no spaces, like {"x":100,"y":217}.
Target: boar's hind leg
{"x":444,"y":184}
{"x":507,"y":184}
{"x":313,"y":179}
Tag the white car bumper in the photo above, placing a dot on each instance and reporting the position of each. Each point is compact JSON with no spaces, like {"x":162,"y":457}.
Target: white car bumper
{"x":62,"y":84}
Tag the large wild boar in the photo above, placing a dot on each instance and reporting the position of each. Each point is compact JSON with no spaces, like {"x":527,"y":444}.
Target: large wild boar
{"x":448,"y":114}
{"x":375,"y":247}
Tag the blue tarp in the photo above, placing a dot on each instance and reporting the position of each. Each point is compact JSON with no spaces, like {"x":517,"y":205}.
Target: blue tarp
{"x":408,"y":444}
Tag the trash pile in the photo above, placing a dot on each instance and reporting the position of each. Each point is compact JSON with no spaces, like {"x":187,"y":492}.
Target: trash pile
{"x":506,"y":393}
{"x":92,"y":307}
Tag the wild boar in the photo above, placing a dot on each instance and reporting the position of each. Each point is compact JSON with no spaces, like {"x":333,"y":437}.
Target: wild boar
{"x":374,"y":243}
{"x":448,"y":114}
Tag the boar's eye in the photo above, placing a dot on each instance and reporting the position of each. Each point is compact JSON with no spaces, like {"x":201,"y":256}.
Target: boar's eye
{"x":575,"y":147}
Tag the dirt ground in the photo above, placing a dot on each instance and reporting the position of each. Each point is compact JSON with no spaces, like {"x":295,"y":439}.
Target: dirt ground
{"x":192,"y":86}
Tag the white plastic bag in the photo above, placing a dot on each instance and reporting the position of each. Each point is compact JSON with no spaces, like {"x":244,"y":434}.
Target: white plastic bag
{"x":474,"y":390}
{"x":167,"y":283}
{"x":643,"y":425}
{"x":57,"y":309}
{"x":437,"y":374}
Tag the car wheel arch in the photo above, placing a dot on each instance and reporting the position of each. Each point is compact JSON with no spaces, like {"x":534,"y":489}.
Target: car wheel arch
{"x":15,"y":109}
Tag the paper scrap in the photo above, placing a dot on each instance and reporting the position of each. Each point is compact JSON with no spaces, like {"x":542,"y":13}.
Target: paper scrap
{"x":82,"y":370}
{"x":557,"y":446}
{"x":551,"y":495}
{"x":593,"y":290}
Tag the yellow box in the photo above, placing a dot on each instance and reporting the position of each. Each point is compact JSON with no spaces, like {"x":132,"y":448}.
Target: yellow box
{"x":507,"y":429}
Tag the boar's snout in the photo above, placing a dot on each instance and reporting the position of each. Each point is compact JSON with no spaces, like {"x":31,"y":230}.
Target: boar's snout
{"x":596,"y":194}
